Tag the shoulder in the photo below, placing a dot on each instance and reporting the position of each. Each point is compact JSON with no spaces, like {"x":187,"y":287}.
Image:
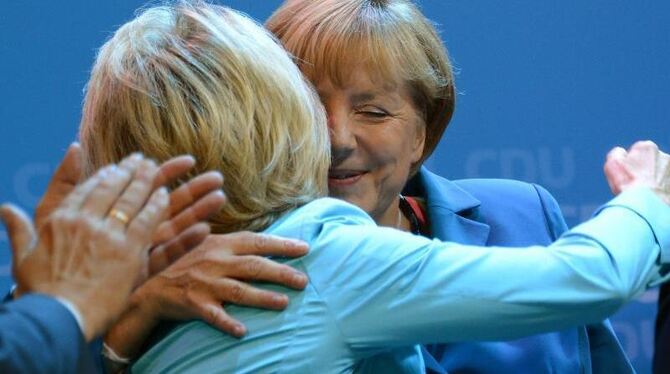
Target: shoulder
{"x":516,"y":206}
{"x":310,"y":220}
{"x":518,"y":213}
{"x":498,"y":193}
{"x":345,"y":243}
{"x":506,"y":192}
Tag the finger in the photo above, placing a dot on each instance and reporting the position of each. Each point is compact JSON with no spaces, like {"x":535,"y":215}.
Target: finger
{"x":189,"y":192}
{"x":617,"y":175}
{"x":645,"y":146}
{"x":665,"y":166}
{"x":108,"y":190}
{"x":248,"y":243}
{"x":63,"y":181}
{"x":19,"y":229}
{"x":217,"y":317}
{"x":202,"y":209}
{"x":615,"y":172}
{"x":642,"y":155}
{"x":173,"y":169}
{"x":69,"y":171}
{"x":256,"y":268}
{"x":165,"y":254}
{"x":147,"y":220}
{"x":236,"y":292}
{"x":617,"y":153}
{"x":76,"y":198}
{"x":134,"y":197}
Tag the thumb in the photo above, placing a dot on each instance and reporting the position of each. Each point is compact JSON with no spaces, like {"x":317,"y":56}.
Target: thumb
{"x":19,"y":229}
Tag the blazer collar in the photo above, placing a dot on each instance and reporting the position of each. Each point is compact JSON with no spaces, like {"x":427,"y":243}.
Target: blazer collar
{"x":452,"y":212}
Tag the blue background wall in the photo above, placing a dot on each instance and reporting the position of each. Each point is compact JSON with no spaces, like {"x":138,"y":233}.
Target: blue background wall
{"x":545,"y":89}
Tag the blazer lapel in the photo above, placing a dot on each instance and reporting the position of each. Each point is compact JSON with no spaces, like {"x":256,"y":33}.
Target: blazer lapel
{"x":452,"y":212}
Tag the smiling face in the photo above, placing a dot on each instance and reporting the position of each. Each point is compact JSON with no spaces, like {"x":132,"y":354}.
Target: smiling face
{"x":376,"y":135}
{"x":353,"y":51}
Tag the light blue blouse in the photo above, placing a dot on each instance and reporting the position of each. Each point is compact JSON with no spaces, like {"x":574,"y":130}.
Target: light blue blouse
{"x":374,"y":290}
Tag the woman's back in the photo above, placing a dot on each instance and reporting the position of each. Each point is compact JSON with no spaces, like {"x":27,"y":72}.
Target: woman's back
{"x":375,"y":292}
{"x":306,"y":337}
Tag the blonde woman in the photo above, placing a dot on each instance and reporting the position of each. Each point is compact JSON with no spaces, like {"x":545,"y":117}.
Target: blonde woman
{"x":208,"y":81}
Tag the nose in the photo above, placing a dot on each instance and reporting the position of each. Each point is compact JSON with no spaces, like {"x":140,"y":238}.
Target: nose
{"x":342,"y":137}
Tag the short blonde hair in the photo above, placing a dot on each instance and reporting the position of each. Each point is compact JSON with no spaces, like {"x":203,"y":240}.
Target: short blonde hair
{"x":207,"y":81}
{"x":391,"y":37}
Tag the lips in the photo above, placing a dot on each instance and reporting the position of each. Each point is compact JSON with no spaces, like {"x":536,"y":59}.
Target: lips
{"x":343,"y":178}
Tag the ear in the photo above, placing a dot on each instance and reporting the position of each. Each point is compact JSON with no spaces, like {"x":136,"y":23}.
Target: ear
{"x":419,"y":141}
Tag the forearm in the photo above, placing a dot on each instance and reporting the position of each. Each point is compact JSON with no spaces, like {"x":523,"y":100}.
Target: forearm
{"x":445,"y":292}
{"x":582,"y":278}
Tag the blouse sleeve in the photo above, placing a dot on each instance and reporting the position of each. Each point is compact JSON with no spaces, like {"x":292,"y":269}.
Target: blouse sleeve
{"x":387,"y":288}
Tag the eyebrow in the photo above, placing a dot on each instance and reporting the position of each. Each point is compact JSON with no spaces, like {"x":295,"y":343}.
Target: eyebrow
{"x":363,"y":96}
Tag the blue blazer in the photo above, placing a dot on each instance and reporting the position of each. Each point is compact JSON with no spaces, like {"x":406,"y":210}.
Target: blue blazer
{"x":39,"y":335}
{"x":494,"y":212}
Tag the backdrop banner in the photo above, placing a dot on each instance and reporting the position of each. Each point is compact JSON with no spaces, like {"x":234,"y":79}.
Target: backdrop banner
{"x":545,"y":89}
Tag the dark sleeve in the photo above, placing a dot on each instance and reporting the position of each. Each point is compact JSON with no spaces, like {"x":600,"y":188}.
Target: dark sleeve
{"x":661,"y":363}
{"x":39,"y":335}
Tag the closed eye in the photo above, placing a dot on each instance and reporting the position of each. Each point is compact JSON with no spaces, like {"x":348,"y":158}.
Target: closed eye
{"x":373,"y":112}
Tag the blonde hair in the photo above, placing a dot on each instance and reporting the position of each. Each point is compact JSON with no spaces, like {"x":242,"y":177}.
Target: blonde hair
{"x":393,"y":40}
{"x":205,"y":80}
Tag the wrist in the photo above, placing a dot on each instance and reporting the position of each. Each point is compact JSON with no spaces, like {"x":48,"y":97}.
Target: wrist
{"x":143,"y":304}
{"x":76,"y":314}
{"x":114,"y":363}
{"x":126,"y":337}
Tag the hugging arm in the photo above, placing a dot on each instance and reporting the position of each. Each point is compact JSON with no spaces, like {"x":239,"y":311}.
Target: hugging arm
{"x":430,"y":291}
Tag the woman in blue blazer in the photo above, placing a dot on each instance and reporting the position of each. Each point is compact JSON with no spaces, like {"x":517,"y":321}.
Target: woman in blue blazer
{"x":386,"y":116}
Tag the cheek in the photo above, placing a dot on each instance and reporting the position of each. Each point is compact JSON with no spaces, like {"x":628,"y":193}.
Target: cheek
{"x":388,"y":146}
{"x":394,"y":164}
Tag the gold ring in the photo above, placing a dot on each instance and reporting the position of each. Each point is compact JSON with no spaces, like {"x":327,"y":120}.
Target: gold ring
{"x":121,"y":216}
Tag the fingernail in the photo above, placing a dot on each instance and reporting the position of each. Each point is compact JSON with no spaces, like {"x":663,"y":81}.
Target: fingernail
{"x":297,"y":244}
{"x":280,"y":299}
{"x":239,"y":330}
{"x":299,"y":278}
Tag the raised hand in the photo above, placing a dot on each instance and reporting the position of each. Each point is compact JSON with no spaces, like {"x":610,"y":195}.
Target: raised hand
{"x":190,"y":204}
{"x":92,"y":247}
{"x":643,"y":165}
